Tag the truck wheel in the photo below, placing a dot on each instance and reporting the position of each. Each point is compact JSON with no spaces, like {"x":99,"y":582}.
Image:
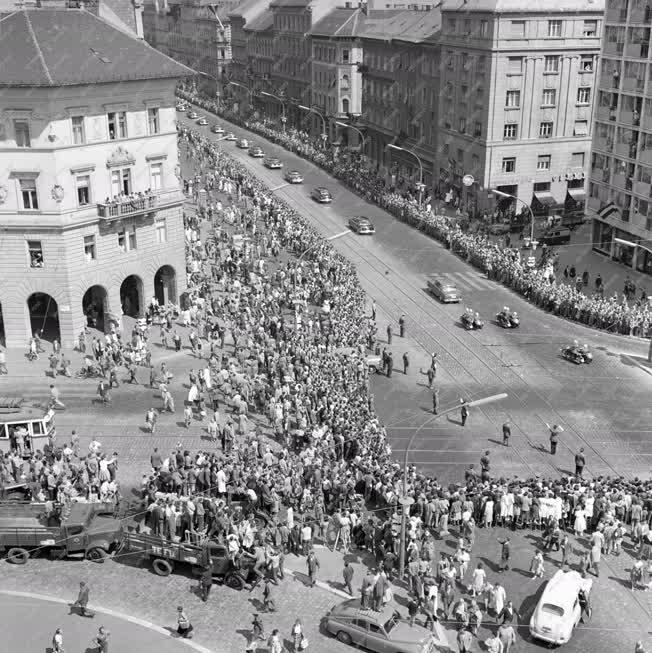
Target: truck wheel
{"x":162,"y":567}
{"x":17,"y":556}
{"x":234,"y":581}
{"x":96,"y":554}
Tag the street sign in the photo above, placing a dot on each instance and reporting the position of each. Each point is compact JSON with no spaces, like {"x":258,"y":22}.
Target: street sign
{"x":468,"y":180}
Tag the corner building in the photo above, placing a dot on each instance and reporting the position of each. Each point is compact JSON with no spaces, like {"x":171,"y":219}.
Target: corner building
{"x":517,"y":92}
{"x":91,"y":218}
{"x":620,"y":189}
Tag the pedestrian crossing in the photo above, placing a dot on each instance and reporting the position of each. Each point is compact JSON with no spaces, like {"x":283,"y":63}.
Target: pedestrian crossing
{"x":470,"y":281}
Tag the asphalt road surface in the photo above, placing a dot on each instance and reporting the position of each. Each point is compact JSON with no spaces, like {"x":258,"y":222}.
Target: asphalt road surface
{"x":601,"y":406}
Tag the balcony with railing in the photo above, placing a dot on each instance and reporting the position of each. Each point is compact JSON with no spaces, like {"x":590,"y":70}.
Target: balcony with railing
{"x":138,"y":204}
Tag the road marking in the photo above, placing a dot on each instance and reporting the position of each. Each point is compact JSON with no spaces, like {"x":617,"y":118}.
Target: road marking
{"x":113,"y":613}
{"x":279,"y":187}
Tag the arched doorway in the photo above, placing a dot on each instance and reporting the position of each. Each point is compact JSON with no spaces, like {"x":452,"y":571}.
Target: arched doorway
{"x":44,"y":316}
{"x":165,"y":285}
{"x":94,"y":305}
{"x":131,"y":296}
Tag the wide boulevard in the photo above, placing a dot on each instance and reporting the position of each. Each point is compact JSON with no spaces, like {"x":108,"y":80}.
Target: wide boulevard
{"x":601,"y":406}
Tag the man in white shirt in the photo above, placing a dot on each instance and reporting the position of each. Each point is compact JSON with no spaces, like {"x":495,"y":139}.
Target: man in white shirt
{"x":306,"y":538}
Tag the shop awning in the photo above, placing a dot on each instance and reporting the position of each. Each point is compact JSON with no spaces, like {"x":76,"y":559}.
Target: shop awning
{"x":546,"y":199}
{"x":577,"y":194}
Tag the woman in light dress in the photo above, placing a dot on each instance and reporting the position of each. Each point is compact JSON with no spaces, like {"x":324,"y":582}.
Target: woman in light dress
{"x":478,"y":580}
{"x":488,"y":513}
{"x":580,"y":522}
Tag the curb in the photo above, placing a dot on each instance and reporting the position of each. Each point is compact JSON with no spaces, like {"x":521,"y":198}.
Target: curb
{"x":633,"y":361}
{"x":112,"y":613}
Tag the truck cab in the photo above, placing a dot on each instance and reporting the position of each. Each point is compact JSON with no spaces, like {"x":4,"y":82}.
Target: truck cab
{"x":85,"y":529}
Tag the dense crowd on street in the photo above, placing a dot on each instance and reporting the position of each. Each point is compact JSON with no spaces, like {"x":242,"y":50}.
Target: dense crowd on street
{"x":326,"y":474}
{"x":618,"y":314}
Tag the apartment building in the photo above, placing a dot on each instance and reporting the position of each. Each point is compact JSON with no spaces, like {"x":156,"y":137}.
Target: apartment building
{"x":336,"y":73}
{"x":90,"y":207}
{"x":518,"y":86}
{"x":194,"y":32}
{"x":400,"y":90}
{"x":620,"y":186}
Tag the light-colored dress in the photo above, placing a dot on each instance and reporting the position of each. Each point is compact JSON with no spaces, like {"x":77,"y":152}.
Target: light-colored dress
{"x":488,"y":512}
{"x":478,"y":580}
{"x":580,"y":521}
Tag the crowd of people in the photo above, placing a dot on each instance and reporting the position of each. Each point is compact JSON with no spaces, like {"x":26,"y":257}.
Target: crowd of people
{"x":624,"y":314}
{"x":327,"y":474}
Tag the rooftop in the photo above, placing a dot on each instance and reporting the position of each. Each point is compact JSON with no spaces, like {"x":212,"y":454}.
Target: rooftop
{"x":68,"y":47}
{"x":290,"y":3}
{"x":249,"y":9}
{"x":341,"y":22}
{"x":261,"y":23}
{"x":408,"y":25}
{"x":516,"y":6}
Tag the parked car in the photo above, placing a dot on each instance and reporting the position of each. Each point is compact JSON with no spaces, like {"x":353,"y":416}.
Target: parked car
{"x":500,"y":228}
{"x":293,"y":177}
{"x":443,"y":289}
{"x":230,"y":137}
{"x":216,"y":129}
{"x":202,"y":121}
{"x":243,"y":144}
{"x":193,"y":114}
{"x":272,"y":163}
{"x":322,"y":195}
{"x":559,"y":610}
{"x":384,"y":631}
{"x":556,"y":236}
{"x":361,"y":225}
{"x":256,"y":152}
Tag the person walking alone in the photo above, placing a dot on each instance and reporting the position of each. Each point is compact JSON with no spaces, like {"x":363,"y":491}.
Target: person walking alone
{"x":507,"y":432}
{"x":580,"y":462}
{"x":406,"y":363}
{"x":401,"y":325}
{"x":435,"y":400}
{"x":389,"y":334}
{"x":82,"y":601}
{"x":464,"y":411}
{"x":347,"y":574}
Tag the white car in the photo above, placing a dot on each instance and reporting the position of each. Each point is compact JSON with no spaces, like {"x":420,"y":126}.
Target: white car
{"x":558,"y":610}
{"x":202,"y":121}
{"x":216,"y":129}
{"x":230,"y":137}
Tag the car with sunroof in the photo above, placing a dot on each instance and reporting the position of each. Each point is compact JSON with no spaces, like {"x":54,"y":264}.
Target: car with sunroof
{"x":382,"y":631}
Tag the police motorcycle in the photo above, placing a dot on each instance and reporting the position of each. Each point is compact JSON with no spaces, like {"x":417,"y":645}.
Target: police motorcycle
{"x":471,"y":320}
{"x":507,"y":319}
{"x":577,"y":354}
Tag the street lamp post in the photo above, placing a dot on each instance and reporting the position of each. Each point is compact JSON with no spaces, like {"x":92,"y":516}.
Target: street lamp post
{"x":391,"y":146}
{"x":317,"y":244}
{"x":406,"y":501}
{"x":324,"y":135}
{"x":282,"y":101}
{"x":250,"y":91}
{"x":359,"y":131}
{"x":533,"y":242}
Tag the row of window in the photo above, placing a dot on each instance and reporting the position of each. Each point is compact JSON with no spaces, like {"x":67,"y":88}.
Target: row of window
{"x":543,"y":162}
{"x":549,"y":99}
{"x":116,"y":121}
{"x":120,"y":183}
{"x":546,"y":129}
{"x":517,"y":29}
{"x":126,"y":242}
{"x":329,"y":54}
{"x":551,"y":64}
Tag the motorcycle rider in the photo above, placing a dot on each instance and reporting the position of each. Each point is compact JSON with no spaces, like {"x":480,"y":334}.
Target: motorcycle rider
{"x":504,"y":315}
